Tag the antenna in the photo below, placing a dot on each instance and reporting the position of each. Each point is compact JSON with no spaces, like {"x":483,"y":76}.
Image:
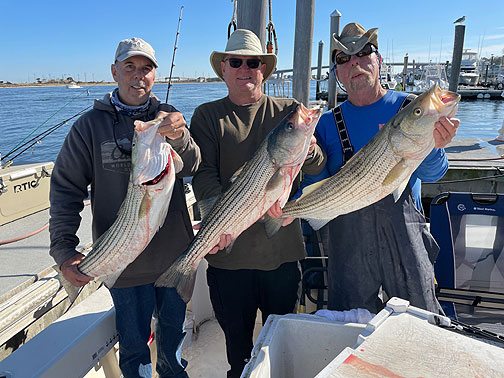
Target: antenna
{"x":173,"y":57}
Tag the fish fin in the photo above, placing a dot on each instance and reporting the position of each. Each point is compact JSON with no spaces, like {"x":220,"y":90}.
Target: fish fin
{"x":181,"y":275}
{"x":71,"y":290}
{"x":310,"y":188}
{"x":111,"y":279}
{"x":399,"y":191}
{"x":177,"y":161}
{"x":236,"y":174}
{"x":275,"y":180}
{"x":206,"y":205}
{"x":272,"y":225}
{"x":317,"y":224}
{"x":143,"y":210}
{"x":397,"y":172}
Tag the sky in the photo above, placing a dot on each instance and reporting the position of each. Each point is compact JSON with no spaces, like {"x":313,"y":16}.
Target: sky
{"x":54,"y":39}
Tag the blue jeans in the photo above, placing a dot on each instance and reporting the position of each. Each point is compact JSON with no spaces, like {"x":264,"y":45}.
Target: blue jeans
{"x":135,"y":307}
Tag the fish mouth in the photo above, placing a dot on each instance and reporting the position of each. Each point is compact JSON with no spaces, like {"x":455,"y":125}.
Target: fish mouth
{"x":309,"y":117}
{"x":444,"y":100}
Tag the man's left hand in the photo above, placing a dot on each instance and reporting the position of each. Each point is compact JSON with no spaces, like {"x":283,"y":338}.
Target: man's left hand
{"x":313,"y":143}
{"x":445,"y":130}
{"x":172,"y":126}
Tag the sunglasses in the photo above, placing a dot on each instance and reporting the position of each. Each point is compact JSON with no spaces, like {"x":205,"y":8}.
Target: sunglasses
{"x":237,"y":62}
{"x":343,"y":58}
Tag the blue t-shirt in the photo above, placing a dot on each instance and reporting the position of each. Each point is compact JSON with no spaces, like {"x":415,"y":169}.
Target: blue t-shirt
{"x":363,"y":122}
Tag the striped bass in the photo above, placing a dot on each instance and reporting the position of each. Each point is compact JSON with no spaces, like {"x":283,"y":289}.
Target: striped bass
{"x":265,"y":179}
{"x":153,"y":167}
{"x":381,"y":167}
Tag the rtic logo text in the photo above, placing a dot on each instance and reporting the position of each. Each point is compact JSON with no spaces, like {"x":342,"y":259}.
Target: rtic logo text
{"x":25,"y":186}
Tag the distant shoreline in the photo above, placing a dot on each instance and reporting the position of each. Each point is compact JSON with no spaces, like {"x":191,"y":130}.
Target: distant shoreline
{"x":88,"y":84}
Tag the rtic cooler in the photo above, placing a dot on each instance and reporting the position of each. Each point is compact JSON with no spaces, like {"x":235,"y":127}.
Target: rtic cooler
{"x":24,"y":190}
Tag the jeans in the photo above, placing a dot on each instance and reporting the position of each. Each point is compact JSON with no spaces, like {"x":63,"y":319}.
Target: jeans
{"x":135,"y":307}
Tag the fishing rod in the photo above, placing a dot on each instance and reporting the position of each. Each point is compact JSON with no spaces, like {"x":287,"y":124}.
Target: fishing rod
{"x":173,"y":57}
{"x":36,"y":139}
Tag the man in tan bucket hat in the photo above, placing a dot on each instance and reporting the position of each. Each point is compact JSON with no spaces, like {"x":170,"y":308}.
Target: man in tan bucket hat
{"x":386,"y":244}
{"x":258,"y":272}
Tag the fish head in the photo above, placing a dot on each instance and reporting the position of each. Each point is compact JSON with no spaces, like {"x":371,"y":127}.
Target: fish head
{"x":288,"y":143}
{"x":412,"y":129}
{"x":152,"y":157}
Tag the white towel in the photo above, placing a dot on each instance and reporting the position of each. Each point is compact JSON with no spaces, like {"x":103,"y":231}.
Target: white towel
{"x":355,"y":315}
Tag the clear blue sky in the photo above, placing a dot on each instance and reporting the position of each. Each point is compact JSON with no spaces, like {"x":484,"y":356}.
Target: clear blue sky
{"x":78,"y":38}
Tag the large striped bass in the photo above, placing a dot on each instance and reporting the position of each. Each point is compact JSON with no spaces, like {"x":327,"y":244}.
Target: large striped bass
{"x":153,"y":167}
{"x":265,"y":179}
{"x":381,"y":167}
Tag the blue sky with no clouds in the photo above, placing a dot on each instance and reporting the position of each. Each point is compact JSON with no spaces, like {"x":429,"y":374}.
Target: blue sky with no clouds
{"x":51,"y":39}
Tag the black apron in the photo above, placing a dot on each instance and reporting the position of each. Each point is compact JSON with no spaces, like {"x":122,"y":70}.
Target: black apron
{"x":386,"y":244}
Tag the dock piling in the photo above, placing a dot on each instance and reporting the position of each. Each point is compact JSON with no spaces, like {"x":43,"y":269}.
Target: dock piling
{"x":331,"y":85}
{"x":303,"y":37}
{"x":319,"y":66}
{"x":458,"y":46}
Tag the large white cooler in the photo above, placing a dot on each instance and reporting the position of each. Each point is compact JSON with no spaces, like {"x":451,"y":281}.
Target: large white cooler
{"x":400,"y":341}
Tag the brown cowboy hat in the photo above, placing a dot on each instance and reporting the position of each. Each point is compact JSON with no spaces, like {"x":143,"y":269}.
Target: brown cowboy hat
{"x":246,"y":43}
{"x":353,"y":38}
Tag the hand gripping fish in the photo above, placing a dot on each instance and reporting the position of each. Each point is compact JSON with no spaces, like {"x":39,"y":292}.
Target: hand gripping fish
{"x":153,"y":167}
{"x":381,"y":167}
{"x":265,"y":179}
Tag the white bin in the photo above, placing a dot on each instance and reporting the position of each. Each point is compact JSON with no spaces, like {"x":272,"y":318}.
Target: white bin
{"x":299,"y":346}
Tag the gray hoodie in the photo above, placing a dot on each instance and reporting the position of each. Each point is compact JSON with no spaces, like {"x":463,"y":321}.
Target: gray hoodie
{"x":90,"y":155}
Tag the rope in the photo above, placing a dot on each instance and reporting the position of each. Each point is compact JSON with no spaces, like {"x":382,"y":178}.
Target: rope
{"x":233,"y":20}
{"x":26,"y":236}
{"x":271,"y":33}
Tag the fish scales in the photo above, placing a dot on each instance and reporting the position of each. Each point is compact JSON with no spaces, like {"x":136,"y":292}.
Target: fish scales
{"x":115,"y":243}
{"x":154,"y":165}
{"x":265,"y":179}
{"x":382,"y":167}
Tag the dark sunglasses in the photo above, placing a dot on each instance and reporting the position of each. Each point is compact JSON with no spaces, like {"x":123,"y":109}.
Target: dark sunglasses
{"x":343,"y":58}
{"x":237,"y":62}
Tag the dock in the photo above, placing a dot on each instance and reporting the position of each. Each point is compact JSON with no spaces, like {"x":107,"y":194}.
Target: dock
{"x":466,"y":94}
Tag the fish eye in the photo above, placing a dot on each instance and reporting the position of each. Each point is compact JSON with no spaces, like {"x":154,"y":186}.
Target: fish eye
{"x":290,"y":126}
{"x":417,"y":112}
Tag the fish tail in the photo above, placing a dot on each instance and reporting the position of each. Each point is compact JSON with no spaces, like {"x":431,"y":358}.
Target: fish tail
{"x":272,"y":225}
{"x":181,"y":275}
{"x":72,"y":291}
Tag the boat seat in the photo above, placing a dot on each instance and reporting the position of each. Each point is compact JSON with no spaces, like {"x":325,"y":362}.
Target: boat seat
{"x":469,"y":228}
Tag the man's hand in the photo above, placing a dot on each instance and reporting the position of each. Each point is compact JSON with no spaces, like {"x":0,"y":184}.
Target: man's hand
{"x":275,"y":211}
{"x":445,"y":130}
{"x":313,"y":143}
{"x":72,"y":274}
{"x":225,"y":241}
{"x":172,"y":126}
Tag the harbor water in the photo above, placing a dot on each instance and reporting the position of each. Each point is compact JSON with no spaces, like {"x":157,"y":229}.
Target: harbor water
{"x":26,"y":112}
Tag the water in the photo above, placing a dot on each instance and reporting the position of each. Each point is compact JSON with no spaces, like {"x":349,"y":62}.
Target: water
{"x":24,"y":109}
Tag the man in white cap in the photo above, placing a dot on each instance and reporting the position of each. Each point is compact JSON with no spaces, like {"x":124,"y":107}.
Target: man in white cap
{"x":258,"y":272}
{"x":386,"y":244}
{"x":97,"y":152}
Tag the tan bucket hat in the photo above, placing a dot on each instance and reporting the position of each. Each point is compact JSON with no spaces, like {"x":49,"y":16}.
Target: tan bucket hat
{"x":246,"y":43}
{"x":353,"y":38}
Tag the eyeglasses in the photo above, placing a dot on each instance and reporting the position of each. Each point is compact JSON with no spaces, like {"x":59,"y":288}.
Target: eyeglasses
{"x":343,"y":58}
{"x":237,"y":62}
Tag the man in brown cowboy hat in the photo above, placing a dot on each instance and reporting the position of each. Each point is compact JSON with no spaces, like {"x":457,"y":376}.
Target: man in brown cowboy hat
{"x":258,"y":272}
{"x":386,"y":244}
